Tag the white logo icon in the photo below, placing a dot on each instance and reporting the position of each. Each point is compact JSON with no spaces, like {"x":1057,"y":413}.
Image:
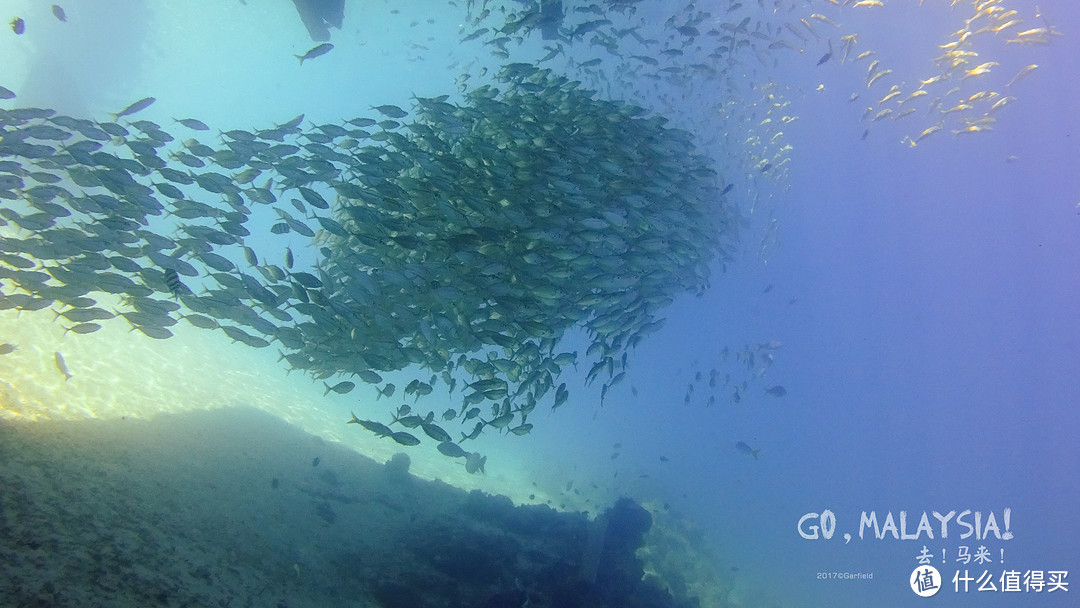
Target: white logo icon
{"x":925,"y":581}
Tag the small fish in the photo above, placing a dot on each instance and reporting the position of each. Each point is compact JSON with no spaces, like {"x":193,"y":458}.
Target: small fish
{"x":500,"y":422}
{"x":315,"y":462}
{"x":475,"y":462}
{"x":561,"y":395}
{"x":475,"y":35}
{"x":138,"y":106}
{"x":322,"y":49}
{"x":373,"y":378}
{"x":192,"y":123}
{"x":157,"y":333}
{"x":776,"y":391}
{"x":451,"y":449}
{"x":926,"y":133}
{"x":375,"y":427}
{"x":61,"y":365}
{"x":745,"y":449}
{"x":391,"y":110}
{"x":172,"y":281}
{"x":435,"y":432}
{"x":340,"y":388}
{"x":7,"y":348}
{"x":1022,"y":73}
{"x":410,"y":421}
{"x":58,"y":12}
{"x":475,"y":432}
{"x":877,"y":76}
{"x":18,"y":26}
{"x":83,"y":328}
{"x":404,"y":438}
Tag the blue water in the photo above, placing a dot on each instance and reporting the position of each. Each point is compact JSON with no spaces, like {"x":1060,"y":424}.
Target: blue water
{"x":923,"y":300}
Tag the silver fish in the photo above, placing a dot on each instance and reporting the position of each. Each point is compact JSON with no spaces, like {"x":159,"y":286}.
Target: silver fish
{"x":61,"y":365}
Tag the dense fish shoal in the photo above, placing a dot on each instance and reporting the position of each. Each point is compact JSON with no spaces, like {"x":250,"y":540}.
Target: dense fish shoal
{"x":461,"y":240}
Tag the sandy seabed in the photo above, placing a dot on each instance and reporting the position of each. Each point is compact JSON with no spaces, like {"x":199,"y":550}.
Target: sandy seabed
{"x":193,"y":472}
{"x":192,"y":509}
{"x":234,"y":507}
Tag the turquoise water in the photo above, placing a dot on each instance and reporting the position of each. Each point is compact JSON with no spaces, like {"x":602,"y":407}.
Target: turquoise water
{"x":893,"y":329}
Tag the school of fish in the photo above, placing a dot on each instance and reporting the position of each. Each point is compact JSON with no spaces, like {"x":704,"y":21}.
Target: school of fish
{"x":465,"y":239}
{"x":462,"y":240}
{"x":712,"y":68}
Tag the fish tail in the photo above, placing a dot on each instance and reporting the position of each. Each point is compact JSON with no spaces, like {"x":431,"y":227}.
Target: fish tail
{"x":327,"y":391}
{"x":354,"y":420}
{"x":301,"y":58}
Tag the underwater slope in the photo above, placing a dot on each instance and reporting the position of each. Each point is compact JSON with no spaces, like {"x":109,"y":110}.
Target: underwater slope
{"x":237,"y":508}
